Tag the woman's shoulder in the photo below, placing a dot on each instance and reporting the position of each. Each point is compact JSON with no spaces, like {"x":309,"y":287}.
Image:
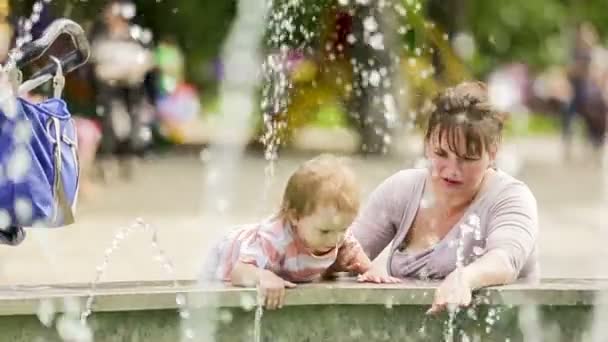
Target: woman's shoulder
{"x":400,"y":188}
{"x":507,"y":188}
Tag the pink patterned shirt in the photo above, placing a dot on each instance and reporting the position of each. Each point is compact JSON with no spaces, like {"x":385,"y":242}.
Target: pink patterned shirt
{"x":274,"y":246}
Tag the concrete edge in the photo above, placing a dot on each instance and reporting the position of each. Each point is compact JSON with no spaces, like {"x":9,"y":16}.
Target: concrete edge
{"x":112,"y":297}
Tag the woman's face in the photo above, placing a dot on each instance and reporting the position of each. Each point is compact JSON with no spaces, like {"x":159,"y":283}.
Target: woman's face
{"x":454,"y":175}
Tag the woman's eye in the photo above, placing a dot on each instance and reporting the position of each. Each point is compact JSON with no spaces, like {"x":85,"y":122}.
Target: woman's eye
{"x":324,"y":232}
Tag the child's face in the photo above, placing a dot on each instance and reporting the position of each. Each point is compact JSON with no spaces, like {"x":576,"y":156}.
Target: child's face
{"x":324,"y":229}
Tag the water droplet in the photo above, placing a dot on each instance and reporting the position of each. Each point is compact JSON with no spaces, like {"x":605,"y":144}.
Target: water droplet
{"x":472,"y":314}
{"x":389,"y":303}
{"x":356,"y":333}
{"x":73,"y":330}
{"x":247,"y":302}
{"x":466,"y":229}
{"x":180,"y":300}
{"x":23,"y":210}
{"x":226,"y":316}
{"x":23,"y":131}
{"x":474,"y":220}
{"x":5,"y":219}
{"x":8,"y":103}
{"x":401,"y":10}
{"x":46,"y":312}
{"x":370,"y":24}
{"x":37,"y":7}
{"x":136,"y":32}
{"x":464,"y":45}
{"x":189,"y":334}
{"x":184,"y":314}
{"x":374,"y":78}
{"x":19,"y":164}
{"x":376,"y":41}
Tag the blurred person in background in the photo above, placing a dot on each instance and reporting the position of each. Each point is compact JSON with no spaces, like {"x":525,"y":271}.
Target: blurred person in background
{"x":588,"y":101}
{"x":121,"y":59}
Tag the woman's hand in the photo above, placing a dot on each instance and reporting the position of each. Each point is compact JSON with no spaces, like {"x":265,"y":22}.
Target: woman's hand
{"x":272,"y":288}
{"x":454,"y":291}
{"x":374,"y":276}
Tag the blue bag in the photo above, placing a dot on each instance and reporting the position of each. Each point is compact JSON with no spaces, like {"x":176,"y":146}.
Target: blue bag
{"x":38,"y":155}
{"x":39,"y":171}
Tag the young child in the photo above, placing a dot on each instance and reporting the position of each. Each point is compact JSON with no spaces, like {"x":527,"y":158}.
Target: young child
{"x":308,"y":238}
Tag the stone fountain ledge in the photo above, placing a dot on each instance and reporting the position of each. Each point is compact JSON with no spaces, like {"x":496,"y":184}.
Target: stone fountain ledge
{"x":141,"y":296}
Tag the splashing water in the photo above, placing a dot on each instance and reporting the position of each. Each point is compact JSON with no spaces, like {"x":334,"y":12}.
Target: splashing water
{"x":257,"y":323}
{"x":242,"y":59}
{"x":160,"y":256}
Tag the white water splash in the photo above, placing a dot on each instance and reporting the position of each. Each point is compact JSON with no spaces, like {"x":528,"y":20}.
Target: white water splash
{"x":160,"y":256}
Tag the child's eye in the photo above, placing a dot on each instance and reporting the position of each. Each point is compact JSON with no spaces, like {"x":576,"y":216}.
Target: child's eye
{"x":440,"y":153}
{"x":324,"y":231}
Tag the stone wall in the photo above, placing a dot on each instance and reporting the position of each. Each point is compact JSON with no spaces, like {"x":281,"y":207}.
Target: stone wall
{"x":341,"y":311}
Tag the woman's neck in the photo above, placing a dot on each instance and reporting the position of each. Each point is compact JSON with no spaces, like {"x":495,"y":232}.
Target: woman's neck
{"x":451,"y":206}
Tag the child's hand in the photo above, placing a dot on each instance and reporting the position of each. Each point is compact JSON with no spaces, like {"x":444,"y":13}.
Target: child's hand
{"x":272,"y":288}
{"x":356,"y":267}
{"x":373,"y":276}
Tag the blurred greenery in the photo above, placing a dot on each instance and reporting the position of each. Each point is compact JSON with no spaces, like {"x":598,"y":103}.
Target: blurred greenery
{"x":537,"y":32}
{"x":533,"y":124}
{"x":533,"y":31}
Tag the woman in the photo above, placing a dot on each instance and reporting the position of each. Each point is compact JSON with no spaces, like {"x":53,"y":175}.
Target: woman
{"x":460,"y":220}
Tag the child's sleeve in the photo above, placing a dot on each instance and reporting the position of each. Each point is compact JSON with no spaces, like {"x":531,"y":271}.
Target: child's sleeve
{"x":349,"y":253}
{"x":260,"y":251}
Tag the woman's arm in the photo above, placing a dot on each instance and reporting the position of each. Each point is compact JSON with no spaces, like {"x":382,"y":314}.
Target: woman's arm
{"x":512,"y":234}
{"x":493,"y":268}
{"x":376,"y":225}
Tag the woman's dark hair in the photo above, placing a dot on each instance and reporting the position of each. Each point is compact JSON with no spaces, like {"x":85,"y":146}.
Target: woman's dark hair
{"x":464,"y":111}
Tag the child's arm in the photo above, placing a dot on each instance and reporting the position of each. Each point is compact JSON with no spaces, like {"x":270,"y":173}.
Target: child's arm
{"x":352,"y":258}
{"x":271,"y":285}
{"x":257,"y":256}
